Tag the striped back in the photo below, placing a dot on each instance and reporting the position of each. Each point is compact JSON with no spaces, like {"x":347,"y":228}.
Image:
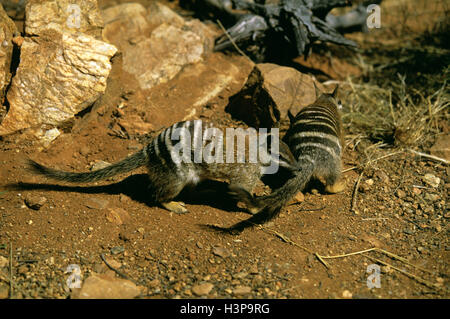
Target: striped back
{"x":167,"y":149}
{"x":315,"y":132}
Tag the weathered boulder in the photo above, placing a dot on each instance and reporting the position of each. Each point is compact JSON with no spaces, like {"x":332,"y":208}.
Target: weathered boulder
{"x":158,"y":14}
{"x":156,"y":42}
{"x":7,"y":32}
{"x":125,"y":25}
{"x":63,"y":15}
{"x":269,"y":93}
{"x":69,"y":75}
{"x":159,"y":58}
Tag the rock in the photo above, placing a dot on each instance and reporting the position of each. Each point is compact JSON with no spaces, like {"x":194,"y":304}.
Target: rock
{"x":431,"y":197}
{"x":22,"y":269}
{"x":34,"y":201}
{"x":269,"y":93}
{"x":7,"y":31}
{"x":347,"y":294}
{"x":221,"y":251}
{"x":125,"y":24}
{"x":202,"y":289}
{"x":113,"y":263}
{"x":299,"y":197}
{"x":160,"y":57}
{"x":159,"y":14}
{"x":240,"y":275}
{"x":133,"y":124}
{"x":441,"y":147}
{"x":242,"y":290}
{"x":401,"y":194}
{"x":46,"y":137}
{"x":253,"y":269}
{"x":431,"y":180}
{"x":4,"y":290}
{"x":156,"y":43}
{"x":329,"y":66}
{"x":50,"y":260}
{"x":117,"y":250}
{"x":154,"y":283}
{"x":206,"y":34}
{"x":117,"y":216}
{"x":381,"y":175}
{"x":63,"y":16}
{"x":96,"y":203}
{"x":99,"y":164}
{"x":3,"y":262}
{"x":69,"y":75}
{"x":100,"y":286}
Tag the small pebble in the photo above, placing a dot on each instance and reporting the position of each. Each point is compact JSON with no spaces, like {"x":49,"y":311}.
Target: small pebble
{"x":221,"y":251}
{"x":431,"y":180}
{"x":34,"y":202}
{"x":347,"y":294}
{"x":117,"y":250}
{"x":242,"y":290}
{"x":202,"y":289}
{"x":401,"y":194}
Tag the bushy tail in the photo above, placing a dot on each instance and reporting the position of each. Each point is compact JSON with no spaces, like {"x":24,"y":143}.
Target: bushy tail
{"x":269,"y":206}
{"x":126,"y":165}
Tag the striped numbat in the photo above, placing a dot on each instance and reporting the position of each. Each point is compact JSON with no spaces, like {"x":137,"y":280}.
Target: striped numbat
{"x":174,"y":161}
{"x":315,"y":139}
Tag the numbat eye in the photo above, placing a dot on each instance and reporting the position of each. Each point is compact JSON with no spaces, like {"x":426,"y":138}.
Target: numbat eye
{"x":339,"y":104}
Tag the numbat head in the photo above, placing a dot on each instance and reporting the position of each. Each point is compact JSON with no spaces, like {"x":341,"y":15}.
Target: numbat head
{"x":170,"y":172}
{"x":315,"y":139}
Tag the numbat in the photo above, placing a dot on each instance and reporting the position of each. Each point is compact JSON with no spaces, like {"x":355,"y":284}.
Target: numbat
{"x":170,"y":170}
{"x":315,"y":139}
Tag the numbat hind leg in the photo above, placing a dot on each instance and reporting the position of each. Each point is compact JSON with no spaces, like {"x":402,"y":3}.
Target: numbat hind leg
{"x":336,"y":187}
{"x":175,"y":207}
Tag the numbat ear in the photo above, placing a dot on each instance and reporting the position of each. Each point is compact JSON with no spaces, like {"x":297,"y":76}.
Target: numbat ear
{"x":318,"y":92}
{"x":291,"y":116}
{"x":335,"y":92}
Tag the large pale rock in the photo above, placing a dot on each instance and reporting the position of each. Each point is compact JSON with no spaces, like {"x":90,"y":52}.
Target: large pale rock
{"x":158,"y":14}
{"x":159,"y":58}
{"x":125,"y":25}
{"x":63,"y":15}
{"x":99,"y":286}
{"x":156,"y":42}
{"x":269,"y":93}
{"x":7,"y":31}
{"x":69,"y":74}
